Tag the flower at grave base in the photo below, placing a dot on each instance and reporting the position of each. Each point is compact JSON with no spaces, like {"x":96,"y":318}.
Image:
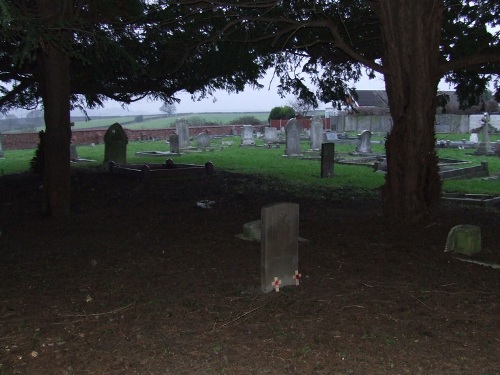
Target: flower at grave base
{"x":276,"y":284}
{"x":297,"y":277}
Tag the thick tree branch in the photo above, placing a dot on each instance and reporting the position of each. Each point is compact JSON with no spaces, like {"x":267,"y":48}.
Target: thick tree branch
{"x":469,"y":61}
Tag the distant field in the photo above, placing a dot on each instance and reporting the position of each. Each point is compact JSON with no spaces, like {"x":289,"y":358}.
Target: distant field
{"x":163,"y":121}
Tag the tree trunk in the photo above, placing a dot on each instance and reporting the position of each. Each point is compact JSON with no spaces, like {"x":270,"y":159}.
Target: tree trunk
{"x":54,"y":82}
{"x":412,"y":31}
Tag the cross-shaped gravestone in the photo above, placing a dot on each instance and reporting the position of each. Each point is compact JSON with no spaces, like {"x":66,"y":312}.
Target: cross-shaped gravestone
{"x":279,"y":245}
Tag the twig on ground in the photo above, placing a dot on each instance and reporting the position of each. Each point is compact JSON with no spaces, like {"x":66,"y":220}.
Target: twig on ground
{"x":239,"y":317}
{"x":430,"y":308}
{"x":103,"y":313}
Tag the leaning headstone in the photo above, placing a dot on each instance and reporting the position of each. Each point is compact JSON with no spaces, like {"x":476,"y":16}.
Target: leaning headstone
{"x":182,"y":130}
{"x":247,"y":135}
{"x":364,"y":143}
{"x":270,"y":134}
{"x":279,"y":245}
{"x":115,"y":144}
{"x":327,"y":159}
{"x":203,"y":140}
{"x":316,"y":133}
{"x":292,"y":130}
{"x":173,"y":140}
{"x":464,"y":239}
{"x":2,"y":156}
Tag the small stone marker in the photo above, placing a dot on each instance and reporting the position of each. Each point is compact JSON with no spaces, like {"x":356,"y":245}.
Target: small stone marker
{"x":464,"y":239}
{"x":115,"y":144}
{"x":279,"y":245}
{"x":327,"y":159}
{"x":174,"y":144}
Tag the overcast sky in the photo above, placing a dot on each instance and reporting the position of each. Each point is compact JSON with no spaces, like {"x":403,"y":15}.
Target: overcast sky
{"x":247,"y":101}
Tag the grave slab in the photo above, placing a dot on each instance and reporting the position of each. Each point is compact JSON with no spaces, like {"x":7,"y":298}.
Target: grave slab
{"x":279,"y":245}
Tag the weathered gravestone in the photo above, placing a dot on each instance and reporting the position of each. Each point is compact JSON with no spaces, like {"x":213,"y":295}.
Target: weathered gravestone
{"x":327,"y":159}
{"x":364,"y":143}
{"x":202,"y":140}
{"x":279,"y":245}
{"x":484,"y":148}
{"x":331,"y":137}
{"x":316,"y":133}
{"x":464,"y":239}
{"x":73,"y":154}
{"x":292,"y":130}
{"x":247,"y":135}
{"x":1,"y":147}
{"x":182,"y":130}
{"x":115,"y":144}
{"x":270,"y":134}
{"x":173,"y":140}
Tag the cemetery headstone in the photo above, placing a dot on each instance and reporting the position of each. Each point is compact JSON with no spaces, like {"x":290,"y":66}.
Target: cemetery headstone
{"x":173,"y":140}
{"x":327,"y":159}
{"x":247,"y":135}
{"x":364,"y":143}
{"x":474,"y":138}
{"x":331,"y":137}
{"x":279,"y":245}
{"x":73,"y":154}
{"x":270,"y":134}
{"x":115,"y":144}
{"x":464,"y":239}
{"x":182,"y":130}
{"x":203,"y":140}
{"x":484,"y":148}
{"x":2,"y":156}
{"x":292,"y":130}
{"x":316,"y":133}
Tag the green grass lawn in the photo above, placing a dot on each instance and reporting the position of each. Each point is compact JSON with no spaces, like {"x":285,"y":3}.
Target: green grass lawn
{"x":270,"y":162}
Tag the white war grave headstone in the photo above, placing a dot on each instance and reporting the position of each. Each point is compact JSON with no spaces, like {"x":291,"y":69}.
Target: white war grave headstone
{"x":279,"y":246}
{"x":182,"y":130}
{"x":316,"y":133}
{"x":292,"y":130}
{"x":247,"y":135}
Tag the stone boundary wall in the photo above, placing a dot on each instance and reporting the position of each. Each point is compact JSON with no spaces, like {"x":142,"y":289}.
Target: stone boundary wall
{"x":456,"y":124}
{"x":17,"y":141}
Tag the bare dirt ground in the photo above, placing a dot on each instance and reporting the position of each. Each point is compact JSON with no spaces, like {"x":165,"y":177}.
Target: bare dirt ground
{"x":139,"y":280}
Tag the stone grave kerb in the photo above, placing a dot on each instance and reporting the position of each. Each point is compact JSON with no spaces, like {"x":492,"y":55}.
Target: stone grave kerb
{"x":279,"y":245}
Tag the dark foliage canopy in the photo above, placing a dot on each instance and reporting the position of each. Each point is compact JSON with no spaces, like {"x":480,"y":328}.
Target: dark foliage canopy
{"x":124,"y":50}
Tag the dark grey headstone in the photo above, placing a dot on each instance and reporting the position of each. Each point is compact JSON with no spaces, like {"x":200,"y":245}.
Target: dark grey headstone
{"x":1,"y":147}
{"x":115,"y":144}
{"x":174,"y":143}
{"x":327,"y":159}
{"x":279,"y":244}
{"x":182,"y":130}
{"x":203,"y":140}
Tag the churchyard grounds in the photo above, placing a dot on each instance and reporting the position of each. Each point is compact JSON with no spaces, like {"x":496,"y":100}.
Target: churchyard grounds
{"x":141,"y":280}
